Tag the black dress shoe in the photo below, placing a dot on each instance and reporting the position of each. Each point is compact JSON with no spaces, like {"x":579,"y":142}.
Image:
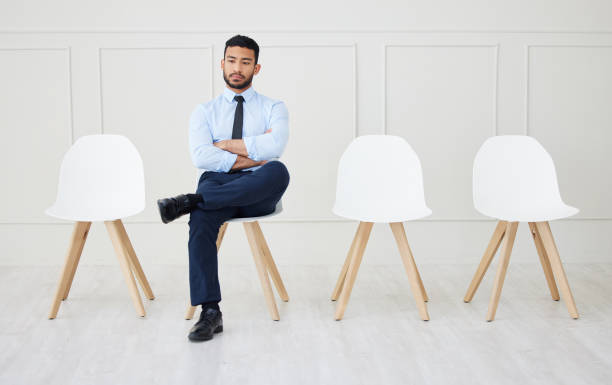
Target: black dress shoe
{"x":210,"y":323}
{"x":172,"y":208}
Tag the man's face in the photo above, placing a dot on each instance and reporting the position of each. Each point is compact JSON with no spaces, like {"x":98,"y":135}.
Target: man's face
{"x":239,"y":67}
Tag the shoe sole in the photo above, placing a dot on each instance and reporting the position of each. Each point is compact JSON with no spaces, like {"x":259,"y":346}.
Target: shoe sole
{"x":219,"y":329}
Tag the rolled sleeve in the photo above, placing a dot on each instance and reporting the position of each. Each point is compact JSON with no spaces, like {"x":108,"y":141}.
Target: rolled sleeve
{"x":204,"y":154}
{"x":271,"y":145}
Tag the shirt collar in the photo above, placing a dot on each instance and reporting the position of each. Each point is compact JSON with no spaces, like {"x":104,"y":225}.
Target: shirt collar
{"x":247,"y":95}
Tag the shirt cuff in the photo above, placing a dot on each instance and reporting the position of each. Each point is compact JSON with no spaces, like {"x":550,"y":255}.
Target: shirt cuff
{"x":227,"y":161}
{"x":251,"y":147}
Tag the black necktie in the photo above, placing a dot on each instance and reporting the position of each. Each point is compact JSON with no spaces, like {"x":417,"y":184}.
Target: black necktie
{"x":237,"y":130}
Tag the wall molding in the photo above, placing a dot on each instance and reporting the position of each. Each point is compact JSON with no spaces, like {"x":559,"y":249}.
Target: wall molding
{"x":68,"y":50}
{"x":352,"y":45}
{"x":527,"y":51}
{"x":386,"y":76}
{"x":144,"y":48}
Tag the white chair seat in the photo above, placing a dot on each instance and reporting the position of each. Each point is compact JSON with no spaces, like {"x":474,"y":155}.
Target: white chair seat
{"x":383,"y":215}
{"x":82,"y":211}
{"x":277,"y":210}
{"x":529,"y":214}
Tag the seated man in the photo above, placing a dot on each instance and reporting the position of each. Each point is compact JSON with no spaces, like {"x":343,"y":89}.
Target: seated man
{"x":235,"y":138}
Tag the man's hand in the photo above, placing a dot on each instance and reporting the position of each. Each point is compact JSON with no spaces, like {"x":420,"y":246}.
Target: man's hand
{"x":243,"y":162}
{"x":235,"y":146}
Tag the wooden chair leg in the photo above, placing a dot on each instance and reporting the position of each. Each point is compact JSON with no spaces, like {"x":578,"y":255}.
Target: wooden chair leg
{"x":411,"y":269}
{"x":489,"y":253}
{"x":114,"y":232}
{"x":260,"y":263}
{"x":361,"y":242}
{"x":272,"y":269}
{"x":544,"y":261}
{"x":134,"y":263}
{"x":557,"y":267}
{"x":77,"y":240}
{"x":78,"y":258}
{"x":509,"y":236}
{"x":191,"y":309}
{"x":347,"y":262}
{"x":221,"y":234}
{"x":418,"y":275}
{"x":190,"y":312}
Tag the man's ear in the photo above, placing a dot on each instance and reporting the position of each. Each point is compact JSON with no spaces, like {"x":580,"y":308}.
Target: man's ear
{"x":257,"y":68}
{"x":222,"y":63}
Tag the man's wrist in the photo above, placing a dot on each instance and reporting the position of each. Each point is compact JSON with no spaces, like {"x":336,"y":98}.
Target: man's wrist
{"x":243,"y":162}
{"x":235,"y":146}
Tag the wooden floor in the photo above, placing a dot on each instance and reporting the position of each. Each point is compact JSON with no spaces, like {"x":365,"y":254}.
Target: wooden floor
{"x":97,"y":337}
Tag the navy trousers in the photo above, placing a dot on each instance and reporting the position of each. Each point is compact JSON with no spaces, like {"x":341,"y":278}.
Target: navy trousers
{"x":227,"y":195}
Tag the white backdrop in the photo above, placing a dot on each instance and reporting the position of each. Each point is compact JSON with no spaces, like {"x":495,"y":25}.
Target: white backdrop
{"x":444,"y":75}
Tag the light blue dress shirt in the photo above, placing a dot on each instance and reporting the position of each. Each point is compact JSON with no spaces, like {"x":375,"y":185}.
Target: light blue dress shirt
{"x":213,"y":121}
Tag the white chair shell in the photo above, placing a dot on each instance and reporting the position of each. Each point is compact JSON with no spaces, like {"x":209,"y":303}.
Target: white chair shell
{"x":101,"y":179}
{"x":514,"y":179}
{"x":380,"y":180}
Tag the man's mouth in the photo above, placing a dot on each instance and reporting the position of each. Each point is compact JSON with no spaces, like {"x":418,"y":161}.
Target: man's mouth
{"x":237,"y":77}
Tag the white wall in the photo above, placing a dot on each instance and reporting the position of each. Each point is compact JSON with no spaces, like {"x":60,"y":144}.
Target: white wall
{"x":444,"y":75}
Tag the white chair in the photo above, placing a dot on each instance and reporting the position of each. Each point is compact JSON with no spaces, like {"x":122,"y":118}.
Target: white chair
{"x":379,"y":180}
{"x":514,"y":180}
{"x":101,"y":179}
{"x":263,"y":260}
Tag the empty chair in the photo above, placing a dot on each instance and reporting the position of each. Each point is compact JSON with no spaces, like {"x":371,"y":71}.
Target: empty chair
{"x":514,"y":180}
{"x":101,"y":179}
{"x":379,"y":181}
{"x":263,"y":260}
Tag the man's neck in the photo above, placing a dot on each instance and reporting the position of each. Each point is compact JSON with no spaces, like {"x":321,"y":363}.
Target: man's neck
{"x":237,"y":91}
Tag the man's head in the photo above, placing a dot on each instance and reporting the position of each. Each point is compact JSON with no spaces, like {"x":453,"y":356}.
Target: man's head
{"x":239,"y":62}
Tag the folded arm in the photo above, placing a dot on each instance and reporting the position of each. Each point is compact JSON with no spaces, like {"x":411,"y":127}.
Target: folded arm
{"x":266,"y":146}
{"x":211,"y":156}
{"x":203,"y":153}
{"x":235,"y":146}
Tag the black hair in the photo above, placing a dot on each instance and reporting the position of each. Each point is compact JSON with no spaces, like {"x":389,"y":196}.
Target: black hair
{"x":244,"y":42}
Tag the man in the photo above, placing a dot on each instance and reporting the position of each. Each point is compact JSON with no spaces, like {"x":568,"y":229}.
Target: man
{"x":235,"y":138}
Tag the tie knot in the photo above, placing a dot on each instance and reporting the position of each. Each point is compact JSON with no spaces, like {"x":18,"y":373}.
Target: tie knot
{"x":239,"y":98}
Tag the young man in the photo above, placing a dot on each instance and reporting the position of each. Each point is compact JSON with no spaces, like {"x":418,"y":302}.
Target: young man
{"x":235,"y":139}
